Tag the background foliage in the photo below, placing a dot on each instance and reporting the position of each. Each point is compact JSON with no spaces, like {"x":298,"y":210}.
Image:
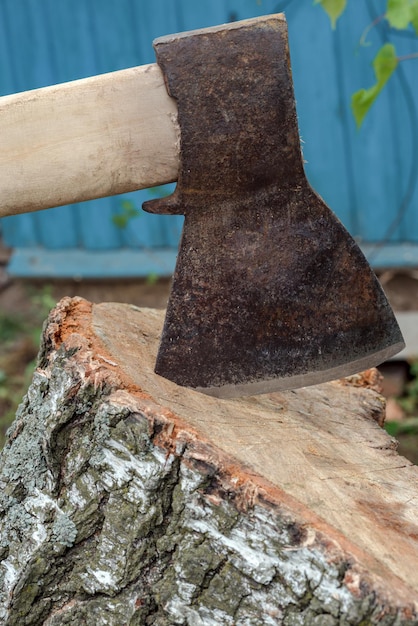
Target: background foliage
{"x":401,"y":15}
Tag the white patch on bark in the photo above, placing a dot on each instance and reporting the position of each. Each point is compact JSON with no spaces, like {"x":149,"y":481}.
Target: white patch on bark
{"x":261,"y":567}
{"x":10,"y":574}
{"x":104,"y":578}
{"x":75,"y":497}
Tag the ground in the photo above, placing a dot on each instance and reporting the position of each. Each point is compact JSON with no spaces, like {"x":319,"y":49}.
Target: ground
{"x":25,"y":304}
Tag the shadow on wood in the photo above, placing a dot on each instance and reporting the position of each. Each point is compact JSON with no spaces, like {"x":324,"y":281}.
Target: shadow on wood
{"x":126,"y":499}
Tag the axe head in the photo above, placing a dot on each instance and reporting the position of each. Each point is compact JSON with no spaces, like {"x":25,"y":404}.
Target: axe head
{"x":270,"y":292}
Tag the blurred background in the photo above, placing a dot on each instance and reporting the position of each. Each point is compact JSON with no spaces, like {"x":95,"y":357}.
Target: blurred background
{"x":109,"y":249}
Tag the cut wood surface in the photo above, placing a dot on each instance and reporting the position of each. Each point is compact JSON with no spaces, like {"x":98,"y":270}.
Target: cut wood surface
{"x":87,"y":139}
{"x":129,"y":500}
{"x":320,"y":446}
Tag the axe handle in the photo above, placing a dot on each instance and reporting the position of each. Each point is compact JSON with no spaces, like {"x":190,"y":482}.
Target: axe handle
{"x":85,"y":139}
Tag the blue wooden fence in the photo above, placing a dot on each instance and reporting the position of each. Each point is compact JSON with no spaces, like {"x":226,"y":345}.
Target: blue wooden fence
{"x":369,"y":178}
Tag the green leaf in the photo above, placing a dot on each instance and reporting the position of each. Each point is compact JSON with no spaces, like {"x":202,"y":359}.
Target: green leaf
{"x":413,"y":368}
{"x":384,"y":64}
{"x":398,"y":13}
{"x":414,"y":15}
{"x":128,"y":211}
{"x":129,"y":208}
{"x":152,"y":278}
{"x":333,"y":8}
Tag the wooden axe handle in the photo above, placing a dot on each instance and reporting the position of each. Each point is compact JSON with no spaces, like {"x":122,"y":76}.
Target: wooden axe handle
{"x":85,"y":139}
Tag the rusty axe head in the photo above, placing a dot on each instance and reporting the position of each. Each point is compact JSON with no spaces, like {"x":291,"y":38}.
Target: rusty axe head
{"x":270,"y":292}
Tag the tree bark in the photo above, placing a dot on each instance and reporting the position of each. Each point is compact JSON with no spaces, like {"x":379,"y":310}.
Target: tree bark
{"x":126,"y":499}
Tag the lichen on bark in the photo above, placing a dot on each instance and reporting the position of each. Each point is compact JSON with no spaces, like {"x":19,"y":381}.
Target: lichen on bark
{"x":103,"y":524}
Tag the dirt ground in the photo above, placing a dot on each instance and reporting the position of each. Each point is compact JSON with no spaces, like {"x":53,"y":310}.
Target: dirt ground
{"x":16,"y":295}
{"x":401,"y":288}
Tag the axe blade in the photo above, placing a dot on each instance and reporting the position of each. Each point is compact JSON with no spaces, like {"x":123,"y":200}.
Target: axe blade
{"x":270,"y":292}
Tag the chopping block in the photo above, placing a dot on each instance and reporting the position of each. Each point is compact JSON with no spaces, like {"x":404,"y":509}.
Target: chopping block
{"x":127,"y":499}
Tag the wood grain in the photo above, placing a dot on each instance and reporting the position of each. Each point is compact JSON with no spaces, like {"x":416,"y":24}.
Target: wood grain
{"x":86,"y":139}
{"x":320,"y":446}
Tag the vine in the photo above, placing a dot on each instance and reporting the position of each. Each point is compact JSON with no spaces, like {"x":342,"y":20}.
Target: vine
{"x":400,"y":14}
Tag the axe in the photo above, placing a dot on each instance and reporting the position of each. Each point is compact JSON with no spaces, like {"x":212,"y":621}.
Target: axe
{"x":270,"y":292}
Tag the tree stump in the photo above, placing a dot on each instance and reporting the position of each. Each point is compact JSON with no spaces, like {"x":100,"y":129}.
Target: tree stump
{"x":126,"y":499}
